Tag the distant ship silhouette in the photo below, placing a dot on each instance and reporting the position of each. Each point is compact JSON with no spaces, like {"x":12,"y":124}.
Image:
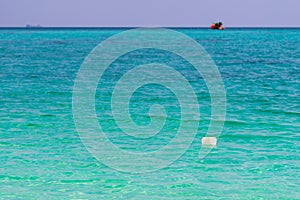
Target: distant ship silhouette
{"x":33,"y":26}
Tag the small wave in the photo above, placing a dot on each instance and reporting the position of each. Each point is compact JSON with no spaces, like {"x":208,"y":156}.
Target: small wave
{"x":292,"y":113}
{"x":47,"y":115}
{"x":18,"y":178}
{"x":79,"y":181}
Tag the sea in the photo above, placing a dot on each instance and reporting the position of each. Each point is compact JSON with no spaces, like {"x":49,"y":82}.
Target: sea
{"x":43,"y":154}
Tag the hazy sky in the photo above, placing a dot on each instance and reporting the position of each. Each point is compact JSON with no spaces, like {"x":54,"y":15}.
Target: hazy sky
{"x":158,"y":13}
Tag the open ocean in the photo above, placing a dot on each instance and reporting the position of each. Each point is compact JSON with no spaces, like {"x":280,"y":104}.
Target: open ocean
{"x":258,"y":152}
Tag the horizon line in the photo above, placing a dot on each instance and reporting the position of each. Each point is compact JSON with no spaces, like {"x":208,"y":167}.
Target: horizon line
{"x":131,"y":27}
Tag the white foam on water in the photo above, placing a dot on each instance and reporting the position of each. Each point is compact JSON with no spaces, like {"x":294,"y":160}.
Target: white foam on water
{"x":209,"y":141}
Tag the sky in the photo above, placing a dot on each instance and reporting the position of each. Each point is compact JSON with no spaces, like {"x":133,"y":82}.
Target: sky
{"x":149,"y":13}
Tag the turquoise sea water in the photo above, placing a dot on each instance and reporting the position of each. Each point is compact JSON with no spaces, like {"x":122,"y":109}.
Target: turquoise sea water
{"x":258,"y":153}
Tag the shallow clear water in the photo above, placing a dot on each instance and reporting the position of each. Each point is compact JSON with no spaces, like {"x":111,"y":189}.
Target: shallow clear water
{"x":258,"y":153}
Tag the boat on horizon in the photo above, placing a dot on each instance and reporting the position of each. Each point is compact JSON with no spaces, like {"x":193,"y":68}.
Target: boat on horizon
{"x":217,"y":26}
